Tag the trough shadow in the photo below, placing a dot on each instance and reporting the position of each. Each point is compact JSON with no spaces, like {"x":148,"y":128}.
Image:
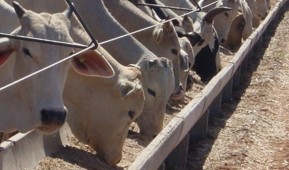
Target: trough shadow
{"x":82,"y":158}
{"x":199,"y":150}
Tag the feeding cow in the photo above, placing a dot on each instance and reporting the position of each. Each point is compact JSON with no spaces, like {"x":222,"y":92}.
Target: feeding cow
{"x":90,"y":114}
{"x":101,"y":110}
{"x":162,"y":39}
{"x":38,"y":99}
{"x":198,"y":28}
{"x":256,"y":17}
{"x":263,"y":7}
{"x":158,"y":77}
{"x":235,"y":41}
{"x":222,"y":22}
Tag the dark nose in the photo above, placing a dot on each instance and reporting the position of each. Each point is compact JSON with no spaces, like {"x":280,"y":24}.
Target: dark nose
{"x":53,"y":116}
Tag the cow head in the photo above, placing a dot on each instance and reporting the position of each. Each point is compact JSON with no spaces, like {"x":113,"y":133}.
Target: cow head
{"x":41,"y":95}
{"x":234,"y":40}
{"x":223,"y":21}
{"x":158,"y":84}
{"x":186,"y":63}
{"x":200,"y":32}
{"x":262,"y":8}
{"x":168,"y":46}
{"x":102,"y":110}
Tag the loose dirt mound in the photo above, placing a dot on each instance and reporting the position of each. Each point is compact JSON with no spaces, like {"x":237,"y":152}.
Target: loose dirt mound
{"x":254,"y":130}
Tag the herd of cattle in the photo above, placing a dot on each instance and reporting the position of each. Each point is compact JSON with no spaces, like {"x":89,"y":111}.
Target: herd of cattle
{"x":101,"y":92}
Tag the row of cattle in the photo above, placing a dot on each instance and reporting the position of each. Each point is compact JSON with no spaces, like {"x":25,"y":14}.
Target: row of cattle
{"x":101,"y":92}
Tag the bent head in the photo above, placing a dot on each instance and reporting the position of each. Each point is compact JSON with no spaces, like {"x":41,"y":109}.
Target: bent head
{"x":234,"y":40}
{"x":41,"y":94}
{"x":223,"y":21}
{"x":168,"y":46}
{"x":262,"y":8}
{"x":158,"y":84}
{"x":103,"y":121}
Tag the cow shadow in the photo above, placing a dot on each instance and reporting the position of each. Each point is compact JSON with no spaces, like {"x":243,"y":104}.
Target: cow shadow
{"x":82,"y":158}
{"x":199,"y":150}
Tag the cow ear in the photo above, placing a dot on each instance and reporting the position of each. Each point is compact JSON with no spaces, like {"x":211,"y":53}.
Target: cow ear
{"x":92,"y":63}
{"x":20,"y":10}
{"x":158,"y":34}
{"x":68,"y":12}
{"x":6,"y":50}
{"x":168,"y":27}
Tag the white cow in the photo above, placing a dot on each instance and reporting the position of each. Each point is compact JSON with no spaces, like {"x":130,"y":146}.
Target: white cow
{"x":38,"y":100}
{"x":101,"y":110}
{"x":89,"y":100}
{"x":263,"y":7}
{"x":158,"y":77}
{"x":234,"y":41}
{"x":222,"y":22}
{"x":162,"y":40}
{"x":256,"y":18}
{"x":248,"y":16}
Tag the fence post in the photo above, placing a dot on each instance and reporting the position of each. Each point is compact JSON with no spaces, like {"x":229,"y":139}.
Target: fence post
{"x":178,"y":157}
{"x":227,"y":92}
{"x":215,"y":108}
{"x":200,"y":129}
{"x":236,"y":78}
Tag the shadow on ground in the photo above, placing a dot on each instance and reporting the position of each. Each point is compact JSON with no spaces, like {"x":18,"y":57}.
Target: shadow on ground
{"x":199,"y":150}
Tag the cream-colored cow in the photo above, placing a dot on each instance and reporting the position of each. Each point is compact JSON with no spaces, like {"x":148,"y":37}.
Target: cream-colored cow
{"x":162,"y":39}
{"x":157,"y":72}
{"x":263,"y":7}
{"x":222,"y":22}
{"x":37,"y":102}
{"x":101,"y":110}
{"x":256,"y":17}
{"x":89,"y":100}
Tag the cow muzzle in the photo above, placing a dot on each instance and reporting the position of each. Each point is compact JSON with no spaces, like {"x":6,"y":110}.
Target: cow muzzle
{"x":52,"y":119}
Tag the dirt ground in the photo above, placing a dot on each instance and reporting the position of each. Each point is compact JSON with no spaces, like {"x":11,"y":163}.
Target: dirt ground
{"x":253,"y":132}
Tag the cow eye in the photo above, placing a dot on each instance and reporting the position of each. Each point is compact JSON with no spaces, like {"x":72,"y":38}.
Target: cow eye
{"x":174,"y":51}
{"x":226,"y":14}
{"x":27,"y":52}
{"x":131,"y":114}
{"x":151,"y":92}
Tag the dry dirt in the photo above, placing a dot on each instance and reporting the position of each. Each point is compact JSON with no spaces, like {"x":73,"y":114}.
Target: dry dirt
{"x":253,"y":132}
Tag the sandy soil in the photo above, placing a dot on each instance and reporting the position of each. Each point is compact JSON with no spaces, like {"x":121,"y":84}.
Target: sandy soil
{"x":254,"y":130}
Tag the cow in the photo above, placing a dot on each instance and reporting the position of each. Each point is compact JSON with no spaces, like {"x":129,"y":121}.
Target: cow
{"x":38,"y":99}
{"x":248,"y":16}
{"x":157,"y":72}
{"x":162,"y":39}
{"x":89,"y":99}
{"x":101,"y":110}
{"x":198,"y":28}
{"x":256,"y":17}
{"x":235,"y":41}
{"x":262,"y":8}
{"x":222,"y":22}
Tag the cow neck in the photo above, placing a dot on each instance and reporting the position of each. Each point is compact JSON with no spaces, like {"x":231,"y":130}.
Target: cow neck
{"x":126,"y":50}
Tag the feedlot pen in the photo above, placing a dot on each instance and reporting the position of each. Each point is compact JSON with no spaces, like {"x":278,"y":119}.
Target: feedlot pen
{"x":176,"y":147}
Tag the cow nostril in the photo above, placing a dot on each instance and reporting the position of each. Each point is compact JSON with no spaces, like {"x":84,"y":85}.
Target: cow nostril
{"x":154,"y":136}
{"x":53,"y":116}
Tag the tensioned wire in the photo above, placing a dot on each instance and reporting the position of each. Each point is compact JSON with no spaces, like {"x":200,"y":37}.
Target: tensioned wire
{"x":92,"y":46}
